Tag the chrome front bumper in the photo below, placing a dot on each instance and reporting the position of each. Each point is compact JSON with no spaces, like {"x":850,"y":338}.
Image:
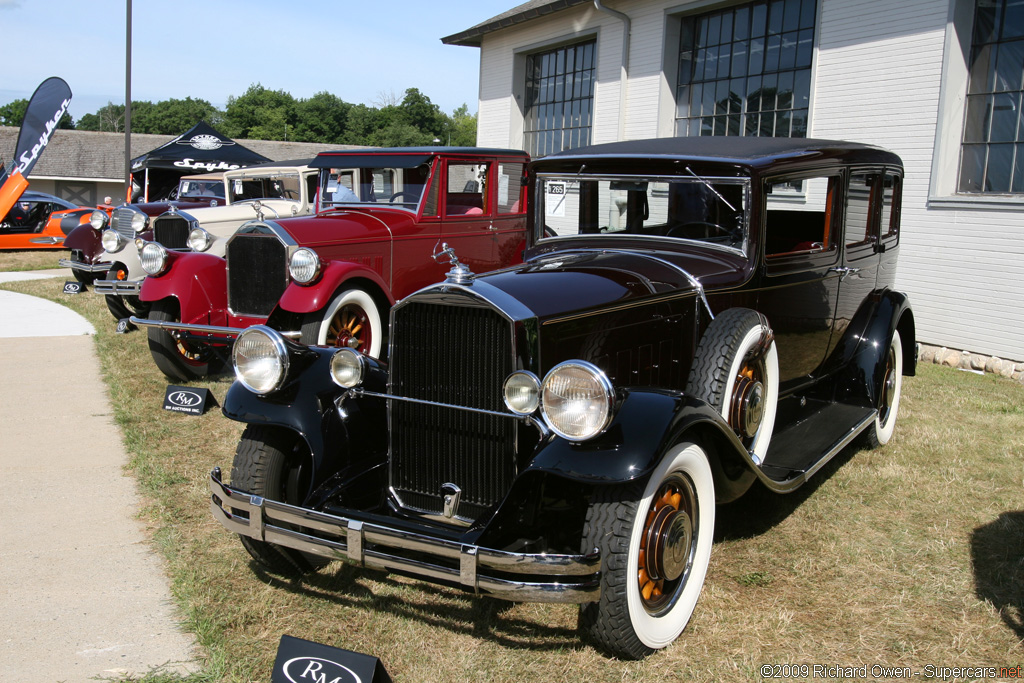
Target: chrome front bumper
{"x":171,"y":326}
{"x":84,"y":267}
{"x":565,"y":578}
{"x":117,"y":287}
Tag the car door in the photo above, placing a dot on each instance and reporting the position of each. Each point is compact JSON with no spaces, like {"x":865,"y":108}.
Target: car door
{"x":859,"y":268}
{"x":468,"y":212}
{"x":801,"y":283}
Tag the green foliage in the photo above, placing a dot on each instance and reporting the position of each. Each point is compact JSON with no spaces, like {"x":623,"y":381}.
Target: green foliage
{"x":264,"y":114}
{"x":13,"y":113}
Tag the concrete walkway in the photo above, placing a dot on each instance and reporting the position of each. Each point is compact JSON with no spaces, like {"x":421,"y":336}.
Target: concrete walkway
{"x":82,"y":595}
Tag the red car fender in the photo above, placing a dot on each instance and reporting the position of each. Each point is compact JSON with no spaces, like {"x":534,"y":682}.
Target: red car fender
{"x":87,"y":239}
{"x":308,"y":298}
{"x":198,"y":281}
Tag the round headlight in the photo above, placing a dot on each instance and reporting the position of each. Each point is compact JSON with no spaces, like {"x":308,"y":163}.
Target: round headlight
{"x":139,"y":222}
{"x":153,"y":257}
{"x":304,"y":266}
{"x":347,"y":368}
{"x":98,"y":219}
{"x":261,"y":359}
{"x":576,"y":400}
{"x":112,"y":241}
{"x":199,"y":240}
{"x":522,"y":392}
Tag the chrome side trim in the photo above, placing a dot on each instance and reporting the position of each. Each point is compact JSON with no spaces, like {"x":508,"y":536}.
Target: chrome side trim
{"x":565,"y":578}
{"x":46,"y":240}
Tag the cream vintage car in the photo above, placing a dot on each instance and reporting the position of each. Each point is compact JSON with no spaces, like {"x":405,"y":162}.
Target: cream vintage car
{"x":278,"y":190}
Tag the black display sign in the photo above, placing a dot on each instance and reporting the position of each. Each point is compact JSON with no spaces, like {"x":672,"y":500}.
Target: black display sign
{"x":124,"y":326}
{"x":188,"y":400}
{"x":303,"y":661}
{"x":73,"y":287}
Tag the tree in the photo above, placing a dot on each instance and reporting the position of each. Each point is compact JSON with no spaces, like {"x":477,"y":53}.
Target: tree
{"x":13,"y":113}
{"x":419,"y":112}
{"x":174,"y":116}
{"x":462,"y":127}
{"x":250,"y":111}
{"x":321,"y":118}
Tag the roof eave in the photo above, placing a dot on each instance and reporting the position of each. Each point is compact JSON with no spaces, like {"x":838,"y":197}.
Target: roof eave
{"x":473,"y":37}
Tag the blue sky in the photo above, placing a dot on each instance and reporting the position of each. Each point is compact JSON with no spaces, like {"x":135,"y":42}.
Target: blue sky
{"x":211,"y":49}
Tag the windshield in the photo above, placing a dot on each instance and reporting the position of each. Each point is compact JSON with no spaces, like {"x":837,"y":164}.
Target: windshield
{"x":706,"y":210}
{"x":397,"y":187}
{"x":200,"y":189}
{"x":279,"y":186}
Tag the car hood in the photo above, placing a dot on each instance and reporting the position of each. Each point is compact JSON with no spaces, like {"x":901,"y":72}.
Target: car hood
{"x":559,"y":283}
{"x":342,"y":226}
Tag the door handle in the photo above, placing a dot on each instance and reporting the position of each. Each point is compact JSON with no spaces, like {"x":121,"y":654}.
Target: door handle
{"x":844,"y":271}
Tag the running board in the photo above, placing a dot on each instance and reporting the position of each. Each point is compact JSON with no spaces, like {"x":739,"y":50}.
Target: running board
{"x":787,"y":463}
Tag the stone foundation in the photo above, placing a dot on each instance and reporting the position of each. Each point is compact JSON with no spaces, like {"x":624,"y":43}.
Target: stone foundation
{"x":954,"y":358}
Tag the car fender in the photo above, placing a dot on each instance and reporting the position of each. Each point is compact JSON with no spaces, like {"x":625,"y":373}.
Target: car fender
{"x":198,"y":281}
{"x":646,"y":424}
{"x":862,"y":352}
{"x":313,"y":297}
{"x":86,"y":239}
{"x":312,"y":408}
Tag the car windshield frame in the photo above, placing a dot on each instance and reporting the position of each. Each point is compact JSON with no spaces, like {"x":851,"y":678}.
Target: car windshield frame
{"x":710,"y":187}
{"x":390,"y":178}
{"x":248,"y":184}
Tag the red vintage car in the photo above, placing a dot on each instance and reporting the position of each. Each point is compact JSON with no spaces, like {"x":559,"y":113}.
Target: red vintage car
{"x":329,"y":279}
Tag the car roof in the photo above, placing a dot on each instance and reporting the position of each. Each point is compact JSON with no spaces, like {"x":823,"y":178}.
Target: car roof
{"x":33,"y":196}
{"x":744,"y":150}
{"x":368,"y":157}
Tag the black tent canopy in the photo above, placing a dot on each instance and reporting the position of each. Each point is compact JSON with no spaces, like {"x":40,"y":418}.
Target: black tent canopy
{"x":201,"y":149}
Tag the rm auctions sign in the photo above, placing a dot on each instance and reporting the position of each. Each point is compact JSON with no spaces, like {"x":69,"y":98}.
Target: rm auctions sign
{"x":188,"y":400}
{"x":303,"y":661}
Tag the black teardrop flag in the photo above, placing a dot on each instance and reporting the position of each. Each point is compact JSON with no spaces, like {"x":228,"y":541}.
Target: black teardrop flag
{"x":48,"y":104}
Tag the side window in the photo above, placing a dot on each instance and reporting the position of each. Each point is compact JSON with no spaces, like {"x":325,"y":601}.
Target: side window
{"x":799,"y":221}
{"x":858,"y":209}
{"x":466,"y":190}
{"x":891,"y":189}
{"x":510,"y":188}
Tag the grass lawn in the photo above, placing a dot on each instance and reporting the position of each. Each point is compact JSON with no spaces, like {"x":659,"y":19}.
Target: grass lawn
{"x":32,"y":259}
{"x":911,"y":555}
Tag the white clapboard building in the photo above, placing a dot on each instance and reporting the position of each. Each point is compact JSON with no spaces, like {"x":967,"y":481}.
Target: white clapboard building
{"x":937,"y":81}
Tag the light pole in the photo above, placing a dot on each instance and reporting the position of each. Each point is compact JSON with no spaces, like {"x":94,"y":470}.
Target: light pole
{"x":128,"y":106}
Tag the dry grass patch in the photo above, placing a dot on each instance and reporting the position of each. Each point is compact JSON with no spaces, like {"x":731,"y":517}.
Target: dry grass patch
{"x":31,"y":259}
{"x":905,"y":556}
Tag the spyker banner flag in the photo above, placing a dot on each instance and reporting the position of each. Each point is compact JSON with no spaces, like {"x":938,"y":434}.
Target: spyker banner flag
{"x":48,"y":104}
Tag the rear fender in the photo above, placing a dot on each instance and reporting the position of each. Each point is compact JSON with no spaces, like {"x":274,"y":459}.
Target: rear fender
{"x":863,"y":369}
{"x":198,"y":281}
{"x":313,"y":297}
{"x":646,"y":424}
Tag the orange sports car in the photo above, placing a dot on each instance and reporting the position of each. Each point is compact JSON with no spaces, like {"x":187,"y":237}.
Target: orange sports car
{"x":40,"y":221}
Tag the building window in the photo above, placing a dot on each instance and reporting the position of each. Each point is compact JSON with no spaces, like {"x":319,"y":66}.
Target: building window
{"x":992,"y":154}
{"x":746,"y":70}
{"x":559,"y":99}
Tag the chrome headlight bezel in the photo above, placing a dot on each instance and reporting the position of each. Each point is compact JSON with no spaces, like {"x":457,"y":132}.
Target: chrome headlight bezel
{"x":98,"y":219}
{"x":260,"y":359}
{"x":199,"y":239}
{"x":153,"y":257}
{"x":112,"y":241}
{"x":348,"y":368}
{"x":304,"y":265}
{"x":585,"y":417}
{"x":139,"y":222}
{"x":521,"y":392}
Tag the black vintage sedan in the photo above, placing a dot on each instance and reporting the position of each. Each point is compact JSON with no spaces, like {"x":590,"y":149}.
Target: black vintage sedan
{"x":692,"y":316}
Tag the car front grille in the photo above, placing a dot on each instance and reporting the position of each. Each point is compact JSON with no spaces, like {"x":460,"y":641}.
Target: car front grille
{"x":121,"y":221}
{"x":257,"y":274}
{"x":171,"y":231}
{"x":456,"y":355}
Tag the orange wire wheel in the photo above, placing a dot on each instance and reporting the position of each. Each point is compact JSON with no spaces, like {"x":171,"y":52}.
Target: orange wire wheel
{"x":350,"y":327}
{"x":667,"y":543}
